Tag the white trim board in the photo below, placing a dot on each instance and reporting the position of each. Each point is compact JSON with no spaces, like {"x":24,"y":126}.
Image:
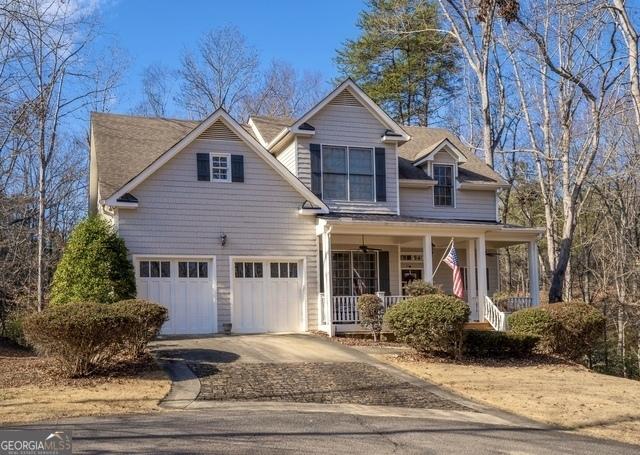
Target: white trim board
{"x":222,"y":115}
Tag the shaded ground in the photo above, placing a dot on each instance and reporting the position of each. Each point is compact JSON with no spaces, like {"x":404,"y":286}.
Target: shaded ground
{"x":561,"y":394}
{"x":31,"y":388}
{"x":335,"y":383}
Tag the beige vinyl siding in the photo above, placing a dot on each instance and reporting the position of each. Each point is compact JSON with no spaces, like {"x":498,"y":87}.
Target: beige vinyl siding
{"x":443,"y":157}
{"x":178,"y":215}
{"x":348,"y":125}
{"x":394,"y":261}
{"x":469,"y":204}
{"x":288,"y":157}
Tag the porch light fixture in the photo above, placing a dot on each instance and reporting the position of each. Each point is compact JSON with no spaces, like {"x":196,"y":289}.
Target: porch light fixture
{"x":223,"y":239}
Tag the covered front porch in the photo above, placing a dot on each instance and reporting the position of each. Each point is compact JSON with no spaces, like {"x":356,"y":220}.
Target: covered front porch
{"x":383,"y":255}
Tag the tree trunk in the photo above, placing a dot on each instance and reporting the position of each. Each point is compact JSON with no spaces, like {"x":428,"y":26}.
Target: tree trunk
{"x":41,"y":217}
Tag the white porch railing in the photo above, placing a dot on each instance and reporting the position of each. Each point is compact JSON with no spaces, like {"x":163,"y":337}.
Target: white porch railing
{"x":345,"y":308}
{"x":499,"y":317}
{"x":518,"y":303}
{"x":495,"y":317}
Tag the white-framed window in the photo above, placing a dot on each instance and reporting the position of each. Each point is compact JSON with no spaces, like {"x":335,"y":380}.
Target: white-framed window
{"x":348,"y":173}
{"x":220,"y":167}
{"x":443,"y":190}
{"x":354,"y":272}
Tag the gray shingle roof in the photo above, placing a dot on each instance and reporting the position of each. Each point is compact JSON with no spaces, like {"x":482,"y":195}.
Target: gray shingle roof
{"x":125,"y":145}
{"x":269,"y":127}
{"x":424,"y":140}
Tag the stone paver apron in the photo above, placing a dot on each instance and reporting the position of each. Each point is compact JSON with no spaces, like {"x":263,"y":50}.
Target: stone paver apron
{"x":335,"y":383}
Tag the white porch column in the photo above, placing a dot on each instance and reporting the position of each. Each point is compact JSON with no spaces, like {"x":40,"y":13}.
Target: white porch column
{"x":326,"y":272}
{"x":472,"y":289}
{"x":534,"y":274}
{"x":427,"y":259}
{"x":482,"y":276}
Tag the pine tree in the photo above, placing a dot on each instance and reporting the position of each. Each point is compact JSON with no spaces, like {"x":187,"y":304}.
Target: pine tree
{"x":400,"y":59}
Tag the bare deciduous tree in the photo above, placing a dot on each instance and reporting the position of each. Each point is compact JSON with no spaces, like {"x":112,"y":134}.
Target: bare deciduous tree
{"x":220,"y":74}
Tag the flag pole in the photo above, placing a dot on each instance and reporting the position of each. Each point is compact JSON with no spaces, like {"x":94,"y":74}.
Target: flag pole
{"x":446,"y":251}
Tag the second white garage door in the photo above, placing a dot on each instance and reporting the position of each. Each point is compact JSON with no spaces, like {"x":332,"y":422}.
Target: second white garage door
{"x":267,"y":295}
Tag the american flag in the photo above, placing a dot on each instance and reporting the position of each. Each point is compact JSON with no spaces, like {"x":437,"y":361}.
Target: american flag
{"x":452,"y":261}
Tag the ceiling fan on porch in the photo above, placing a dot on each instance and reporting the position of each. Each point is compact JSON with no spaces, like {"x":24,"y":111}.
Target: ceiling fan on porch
{"x":366,"y":249}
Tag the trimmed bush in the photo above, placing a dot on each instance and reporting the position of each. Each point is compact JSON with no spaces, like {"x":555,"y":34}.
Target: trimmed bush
{"x":535,"y":322}
{"x":147,"y":319}
{"x":416,"y":288}
{"x":489,"y":344}
{"x":81,"y":336}
{"x":85,"y":336}
{"x":94,"y":266}
{"x":371,"y":311}
{"x":579,"y":328}
{"x":430,"y":323}
{"x":570,"y":330}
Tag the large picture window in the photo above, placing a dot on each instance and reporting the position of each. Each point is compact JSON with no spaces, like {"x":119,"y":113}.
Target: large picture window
{"x":443,"y":191}
{"x":347,"y":173}
{"x":354,"y":273}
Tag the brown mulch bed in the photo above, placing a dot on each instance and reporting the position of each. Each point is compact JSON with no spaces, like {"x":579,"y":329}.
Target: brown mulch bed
{"x":21,"y":367}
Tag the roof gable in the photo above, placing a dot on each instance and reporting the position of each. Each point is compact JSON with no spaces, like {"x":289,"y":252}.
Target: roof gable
{"x":219,"y":126}
{"x":445,"y":145}
{"x":347,"y":93}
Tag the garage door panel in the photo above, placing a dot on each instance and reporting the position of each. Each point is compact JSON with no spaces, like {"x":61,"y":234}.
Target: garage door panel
{"x":271,"y":302}
{"x":190,"y":301}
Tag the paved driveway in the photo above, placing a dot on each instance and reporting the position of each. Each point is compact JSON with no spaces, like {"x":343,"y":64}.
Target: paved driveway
{"x":298,"y":368}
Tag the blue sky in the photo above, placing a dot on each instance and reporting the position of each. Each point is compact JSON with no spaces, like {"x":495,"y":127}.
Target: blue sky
{"x":306,"y":34}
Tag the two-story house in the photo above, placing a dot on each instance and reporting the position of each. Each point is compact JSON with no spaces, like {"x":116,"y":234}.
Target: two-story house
{"x":279,"y":224}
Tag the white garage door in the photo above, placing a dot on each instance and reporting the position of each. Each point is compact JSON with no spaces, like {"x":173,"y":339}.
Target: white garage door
{"x":185,"y":286}
{"x":267,"y":295}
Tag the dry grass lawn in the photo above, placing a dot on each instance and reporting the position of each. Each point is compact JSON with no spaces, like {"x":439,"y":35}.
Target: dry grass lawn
{"x":569,"y":396}
{"x":31,"y":390}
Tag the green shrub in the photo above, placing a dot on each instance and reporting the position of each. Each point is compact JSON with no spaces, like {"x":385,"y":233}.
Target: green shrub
{"x":147,"y":317}
{"x":13,"y":329}
{"x":430,"y":323}
{"x":371,"y":310}
{"x":85,"y":336}
{"x":535,"y":322}
{"x":570,"y":330}
{"x":94,"y":266}
{"x":579,"y":328}
{"x":81,"y":336}
{"x":491,"y":344}
{"x":416,"y":288}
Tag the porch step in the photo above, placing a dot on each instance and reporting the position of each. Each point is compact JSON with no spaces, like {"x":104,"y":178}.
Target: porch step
{"x":481,"y":326}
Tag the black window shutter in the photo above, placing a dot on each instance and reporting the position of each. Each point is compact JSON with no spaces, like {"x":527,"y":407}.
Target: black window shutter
{"x":237,"y":168}
{"x":383,"y":271}
{"x":204,"y":168}
{"x":316,"y":171}
{"x":381,"y":175}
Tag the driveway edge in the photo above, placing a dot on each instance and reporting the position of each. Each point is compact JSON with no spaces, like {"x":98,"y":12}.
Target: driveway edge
{"x":185,"y":386}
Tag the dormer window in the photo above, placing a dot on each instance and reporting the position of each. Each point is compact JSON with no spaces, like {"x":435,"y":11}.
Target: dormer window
{"x":443,"y":190}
